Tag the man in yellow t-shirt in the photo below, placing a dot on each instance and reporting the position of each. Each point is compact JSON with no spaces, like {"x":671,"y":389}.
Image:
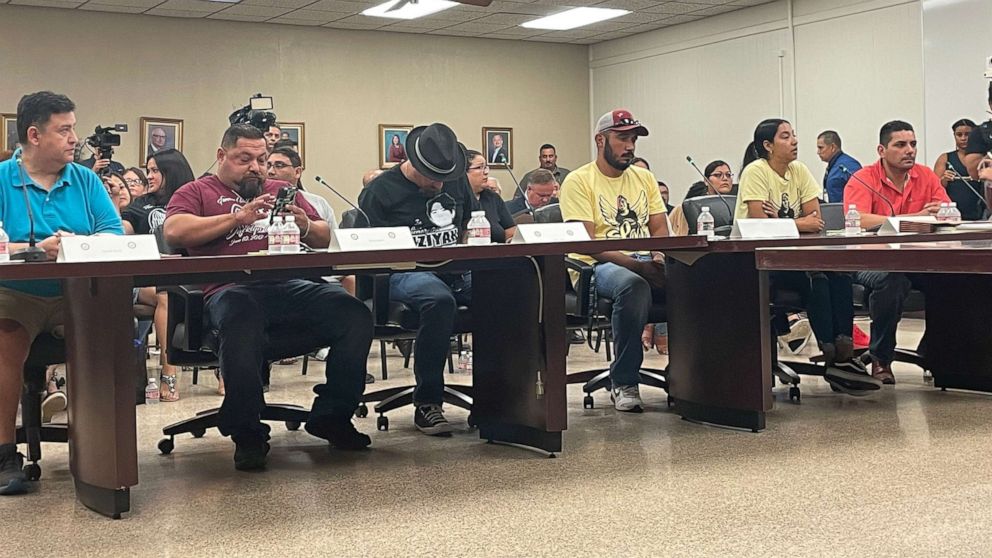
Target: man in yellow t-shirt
{"x":615,"y":200}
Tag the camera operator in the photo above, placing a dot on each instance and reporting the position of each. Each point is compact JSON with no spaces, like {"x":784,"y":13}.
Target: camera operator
{"x":228,"y":214}
{"x":104,"y":164}
{"x":979,"y":147}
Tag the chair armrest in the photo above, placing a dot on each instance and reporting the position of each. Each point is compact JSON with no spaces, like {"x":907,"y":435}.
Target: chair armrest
{"x":582,"y":285}
{"x":186,"y":307}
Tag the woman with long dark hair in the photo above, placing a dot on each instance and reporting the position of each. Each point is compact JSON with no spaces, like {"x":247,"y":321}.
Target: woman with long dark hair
{"x":168,"y":171}
{"x":953,"y":174}
{"x":501,"y":224}
{"x":775,"y":185}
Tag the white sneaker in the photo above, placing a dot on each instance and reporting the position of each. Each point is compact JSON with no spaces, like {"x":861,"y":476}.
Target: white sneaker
{"x":627,"y":399}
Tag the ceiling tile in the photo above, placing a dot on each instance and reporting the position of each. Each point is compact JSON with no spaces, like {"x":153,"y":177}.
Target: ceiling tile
{"x":90,"y":6}
{"x":48,"y":3}
{"x":289,"y":4}
{"x":340,"y":6}
{"x":716,"y":10}
{"x":129,"y":3}
{"x":175,"y":13}
{"x":253,"y":11}
{"x":355,"y":26}
{"x":235,"y":17}
{"x":295,"y":21}
{"x":675,"y":8}
{"x":505,"y":19}
{"x":312,"y":15}
{"x":629,"y":4}
{"x":192,"y":6}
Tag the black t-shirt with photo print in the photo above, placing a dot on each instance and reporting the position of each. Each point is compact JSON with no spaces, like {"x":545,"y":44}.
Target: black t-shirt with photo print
{"x":145,"y":214}
{"x":434,"y":219}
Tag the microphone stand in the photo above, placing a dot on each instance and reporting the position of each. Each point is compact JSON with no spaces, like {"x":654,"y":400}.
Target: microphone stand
{"x":368,"y":221}
{"x":530,"y":208}
{"x":32,"y":253}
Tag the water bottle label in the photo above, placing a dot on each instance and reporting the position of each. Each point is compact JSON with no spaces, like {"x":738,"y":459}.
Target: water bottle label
{"x":4,"y":247}
{"x":479,"y":235}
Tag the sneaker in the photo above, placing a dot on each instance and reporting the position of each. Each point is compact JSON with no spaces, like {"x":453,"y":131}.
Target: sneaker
{"x":627,"y":399}
{"x":430,"y":420}
{"x":798,"y":337}
{"x":575,"y":337}
{"x":851,"y":377}
{"x":249,"y":455}
{"x":883,"y":373}
{"x":341,"y":434}
{"x":52,"y":403}
{"x":12,"y":479}
{"x":844,"y":346}
{"x":321,"y":355}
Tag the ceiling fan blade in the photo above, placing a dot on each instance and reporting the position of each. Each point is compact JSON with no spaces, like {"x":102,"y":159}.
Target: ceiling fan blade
{"x":480,"y":3}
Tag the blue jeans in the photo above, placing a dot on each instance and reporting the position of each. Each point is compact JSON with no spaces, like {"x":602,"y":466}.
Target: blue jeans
{"x":631,"y":295}
{"x":436,"y":298}
{"x":265,"y":321}
{"x":888,"y":292}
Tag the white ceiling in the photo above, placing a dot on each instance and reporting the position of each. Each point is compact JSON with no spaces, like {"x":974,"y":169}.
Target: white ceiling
{"x":500,"y":20}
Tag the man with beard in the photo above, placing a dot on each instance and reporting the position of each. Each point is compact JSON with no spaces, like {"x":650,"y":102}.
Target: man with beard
{"x":548,"y":159}
{"x":615,"y":199}
{"x":912,"y":189}
{"x":228,"y":214}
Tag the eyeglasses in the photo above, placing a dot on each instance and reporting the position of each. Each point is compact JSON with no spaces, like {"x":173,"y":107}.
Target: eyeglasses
{"x":133,"y":182}
{"x":278,"y":165}
{"x":722,"y":175}
{"x":483,"y":167}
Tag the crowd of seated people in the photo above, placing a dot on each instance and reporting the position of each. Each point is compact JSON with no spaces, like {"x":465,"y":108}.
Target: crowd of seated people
{"x":433,"y":192}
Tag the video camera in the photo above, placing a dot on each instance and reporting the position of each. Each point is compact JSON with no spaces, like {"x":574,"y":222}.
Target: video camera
{"x":256,"y":113}
{"x":104,"y":140}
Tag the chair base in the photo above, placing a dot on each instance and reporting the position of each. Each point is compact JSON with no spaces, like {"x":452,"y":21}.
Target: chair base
{"x":394,"y":398}
{"x":595,"y":380}
{"x":292,"y":415}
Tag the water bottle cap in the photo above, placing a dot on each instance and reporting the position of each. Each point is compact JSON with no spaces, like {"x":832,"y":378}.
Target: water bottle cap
{"x":852,"y":206}
{"x":478,"y":214}
{"x":954,"y":204}
{"x":706,"y":208}
{"x":943,"y":204}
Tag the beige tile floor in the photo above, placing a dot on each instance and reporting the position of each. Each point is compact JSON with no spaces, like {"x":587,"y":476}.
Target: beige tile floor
{"x":903,"y":473}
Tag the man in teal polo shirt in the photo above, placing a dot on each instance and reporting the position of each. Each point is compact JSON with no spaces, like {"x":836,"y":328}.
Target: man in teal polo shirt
{"x":65,"y":198}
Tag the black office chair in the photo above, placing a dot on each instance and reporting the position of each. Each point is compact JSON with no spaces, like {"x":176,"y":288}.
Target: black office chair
{"x":913,"y":307}
{"x":583,"y":310}
{"x":45,"y":351}
{"x":396,"y":321}
{"x":723,"y":213}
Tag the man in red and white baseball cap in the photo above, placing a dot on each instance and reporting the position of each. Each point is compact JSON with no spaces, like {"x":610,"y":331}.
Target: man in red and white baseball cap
{"x":616,"y":200}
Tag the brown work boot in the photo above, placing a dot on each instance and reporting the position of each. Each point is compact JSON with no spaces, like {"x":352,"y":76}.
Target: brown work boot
{"x":882,"y":372}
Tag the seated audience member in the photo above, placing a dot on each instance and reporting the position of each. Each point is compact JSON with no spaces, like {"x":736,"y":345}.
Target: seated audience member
{"x":168,"y":171}
{"x":828,"y":149}
{"x":371,"y":175}
{"x":912,"y":189}
{"x":427,"y":193}
{"x":614,"y":199}
{"x":665,"y":196}
{"x":272,"y":136}
{"x":136,"y":181}
{"x":655,"y":335}
{"x":542,"y":189}
{"x":228,"y":214}
{"x":66,"y":199}
{"x":548,"y":160}
{"x":775,"y":185}
{"x":101,"y":166}
{"x":287,"y":143}
{"x":501,"y":225}
{"x":492,"y":183}
{"x":980,"y":147}
{"x":720,"y":180}
{"x":119,"y":193}
{"x":953,"y":173}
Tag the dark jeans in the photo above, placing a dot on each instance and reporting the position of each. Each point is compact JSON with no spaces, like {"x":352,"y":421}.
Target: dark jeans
{"x":435,"y":297}
{"x":265,"y":321}
{"x":827,"y":298}
{"x":888,"y":292}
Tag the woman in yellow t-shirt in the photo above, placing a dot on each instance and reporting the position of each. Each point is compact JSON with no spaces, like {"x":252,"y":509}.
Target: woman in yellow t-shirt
{"x":775,"y":185}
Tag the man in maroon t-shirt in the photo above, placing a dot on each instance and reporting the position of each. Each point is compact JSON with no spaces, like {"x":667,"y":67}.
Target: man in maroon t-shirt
{"x":228,"y":214}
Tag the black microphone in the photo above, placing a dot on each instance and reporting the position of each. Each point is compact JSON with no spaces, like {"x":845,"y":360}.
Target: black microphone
{"x":368,"y":221}
{"x":32,"y":253}
{"x":530,"y":208}
{"x":730,"y":211}
{"x":892,"y":210}
{"x":968,"y":181}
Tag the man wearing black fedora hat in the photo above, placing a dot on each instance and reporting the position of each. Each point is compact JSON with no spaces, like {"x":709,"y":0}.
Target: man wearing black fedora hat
{"x":427,"y":194}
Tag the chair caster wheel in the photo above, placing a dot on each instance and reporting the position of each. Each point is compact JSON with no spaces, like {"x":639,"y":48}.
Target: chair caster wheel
{"x":362,"y":411}
{"x":198,"y":433}
{"x":292,"y":425}
{"x":588,"y":402}
{"x":795,"y":395}
{"x":32,"y":471}
{"x":166,"y":445}
{"x":382,"y":424}
{"x":472,"y":422}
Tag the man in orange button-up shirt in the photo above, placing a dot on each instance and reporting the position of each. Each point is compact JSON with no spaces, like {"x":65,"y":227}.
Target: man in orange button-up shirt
{"x":902,"y":187}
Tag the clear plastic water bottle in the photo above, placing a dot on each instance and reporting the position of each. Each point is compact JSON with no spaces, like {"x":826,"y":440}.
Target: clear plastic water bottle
{"x":478,"y":229}
{"x":290,"y":236}
{"x":468,"y":362}
{"x":152,"y":392}
{"x":4,"y":245}
{"x":953,"y":213}
{"x":852,"y":221}
{"x":705,"y":224}
{"x":275,"y":236}
{"x":942,"y":212}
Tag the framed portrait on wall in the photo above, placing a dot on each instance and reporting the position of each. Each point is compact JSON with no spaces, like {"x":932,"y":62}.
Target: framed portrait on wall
{"x":9,"y":139}
{"x":392,"y":144}
{"x":159,"y":134}
{"x":295,"y":131}
{"x":498,"y":143}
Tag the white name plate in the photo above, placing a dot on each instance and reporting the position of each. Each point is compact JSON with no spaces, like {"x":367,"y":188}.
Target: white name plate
{"x":534,"y":233}
{"x":748,"y":229}
{"x":376,"y":238}
{"x":108,"y":248}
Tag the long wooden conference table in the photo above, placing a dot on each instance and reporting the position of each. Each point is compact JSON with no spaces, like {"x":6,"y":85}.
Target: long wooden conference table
{"x":518,"y":322}
{"x":719,"y":320}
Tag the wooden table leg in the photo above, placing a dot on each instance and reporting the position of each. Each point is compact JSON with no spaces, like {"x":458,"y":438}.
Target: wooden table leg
{"x":958,"y":348}
{"x":718,"y":336}
{"x":100,"y":371}
{"x":508,"y":343}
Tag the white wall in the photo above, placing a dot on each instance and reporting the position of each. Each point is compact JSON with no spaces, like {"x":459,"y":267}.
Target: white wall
{"x":701,"y":87}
